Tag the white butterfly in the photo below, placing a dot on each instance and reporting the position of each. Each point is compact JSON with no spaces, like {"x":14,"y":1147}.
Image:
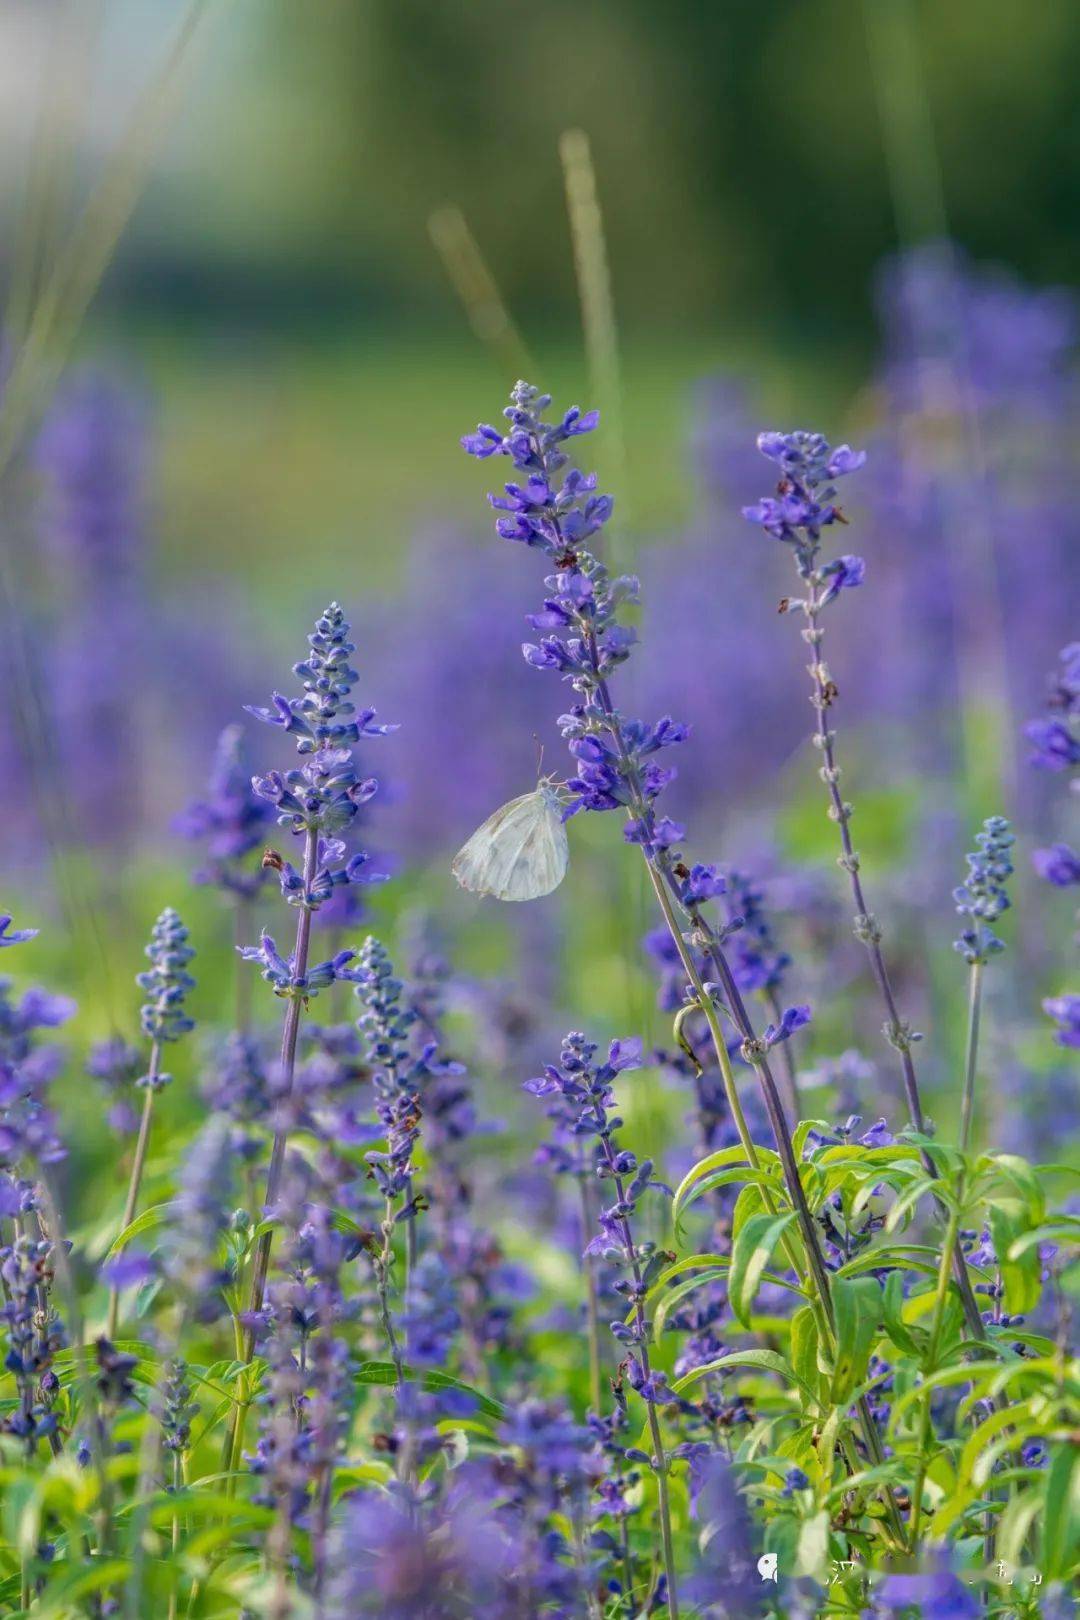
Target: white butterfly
{"x":521,"y":852}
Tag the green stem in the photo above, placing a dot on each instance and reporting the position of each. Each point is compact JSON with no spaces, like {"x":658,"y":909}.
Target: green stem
{"x":289,"y":1035}
{"x":138,"y":1165}
{"x":941,"y":1293}
{"x":967,"y":1113}
{"x":592,"y":1313}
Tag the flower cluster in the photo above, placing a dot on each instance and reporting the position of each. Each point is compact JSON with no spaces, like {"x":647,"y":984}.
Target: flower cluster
{"x":557,"y":510}
{"x":397,"y":1075}
{"x":321,"y":798}
{"x":167,"y":984}
{"x":1056,"y":735}
{"x":805,"y":503}
{"x":231,"y":820}
{"x":982,"y":897}
{"x":282,"y":973}
{"x":35,"y":1335}
{"x":28,"y":1129}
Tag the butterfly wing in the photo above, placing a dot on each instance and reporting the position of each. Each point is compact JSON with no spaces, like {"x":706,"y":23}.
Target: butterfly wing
{"x":520,"y":852}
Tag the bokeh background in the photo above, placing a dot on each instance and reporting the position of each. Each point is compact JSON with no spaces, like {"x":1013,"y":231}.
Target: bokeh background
{"x":348,"y":236}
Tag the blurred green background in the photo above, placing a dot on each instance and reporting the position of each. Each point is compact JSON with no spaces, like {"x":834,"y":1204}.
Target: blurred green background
{"x":309,"y":362}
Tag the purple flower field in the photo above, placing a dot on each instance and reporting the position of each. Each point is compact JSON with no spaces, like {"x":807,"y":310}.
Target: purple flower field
{"x":541,"y":1079}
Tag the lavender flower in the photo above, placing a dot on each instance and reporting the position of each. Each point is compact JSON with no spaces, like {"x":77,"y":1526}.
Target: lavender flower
{"x":804,"y":503}
{"x":35,"y":1335}
{"x":116,"y":1065}
{"x":322,"y":797}
{"x":1059,"y":865}
{"x":29,"y":1135}
{"x":179,"y":1410}
{"x":1065,"y":1011}
{"x":317,"y":802}
{"x":982,"y":897}
{"x":163,"y":1018}
{"x":1057,"y":736}
{"x":202,"y":1216}
{"x":285,"y":977}
{"x":231,"y":820}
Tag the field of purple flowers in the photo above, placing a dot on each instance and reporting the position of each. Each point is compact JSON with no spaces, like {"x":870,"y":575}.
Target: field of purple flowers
{"x":338,"y":1279}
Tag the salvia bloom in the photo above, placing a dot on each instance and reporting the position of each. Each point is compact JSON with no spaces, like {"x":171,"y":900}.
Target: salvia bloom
{"x":117,"y":1066}
{"x":28,"y":1129}
{"x":231,"y":821}
{"x":322,"y":797}
{"x":282,"y":974}
{"x":179,"y":1410}
{"x":1056,"y":736}
{"x":757,"y":961}
{"x":397,"y":1075}
{"x":1059,"y":865}
{"x":1065,"y":1011}
{"x":982,"y":897}
{"x":167,"y":984}
{"x":202,"y":1215}
{"x":805,"y":503}
{"x":34,"y":1334}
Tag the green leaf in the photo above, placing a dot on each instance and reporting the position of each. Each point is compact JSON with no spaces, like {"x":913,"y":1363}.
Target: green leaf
{"x":732,"y":1158}
{"x":910,"y":1339}
{"x":1061,"y":1229}
{"x":812,"y":1547}
{"x":1009,"y":1220}
{"x":805,"y":1348}
{"x":907,"y":1200}
{"x":767,"y":1360}
{"x":754,"y":1243}
{"x":857,"y":1308}
{"x":157,"y":1215}
{"x":1061,"y":1525}
{"x":384,"y":1372}
{"x":1021,"y":1175}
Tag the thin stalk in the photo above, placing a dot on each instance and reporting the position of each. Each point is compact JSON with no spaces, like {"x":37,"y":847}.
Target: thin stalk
{"x":787,"y":1057}
{"x":967,"y":1110}
{"x":867,"y":928}
{"x":971,"y":1057}
{"x":383,"y":1265}
{"x":289,"y":1034}
{"x":941,"y":1294}
{"x":138,"y":1164}
{"x":592,"y":1311}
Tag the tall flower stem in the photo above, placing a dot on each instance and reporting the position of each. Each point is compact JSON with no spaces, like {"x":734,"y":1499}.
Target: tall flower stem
{"x":967,"y":1107}
{"x":655,"y":1433}
{"x":234,"y":1434}
{"x":867,"y":927}
{"x":592,"y":1312}
{"x":289,"y":1035}
{"x":138,"y":1165}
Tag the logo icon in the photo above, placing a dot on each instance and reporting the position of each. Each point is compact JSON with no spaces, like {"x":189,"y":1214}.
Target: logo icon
{"x":766,"y":1566}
